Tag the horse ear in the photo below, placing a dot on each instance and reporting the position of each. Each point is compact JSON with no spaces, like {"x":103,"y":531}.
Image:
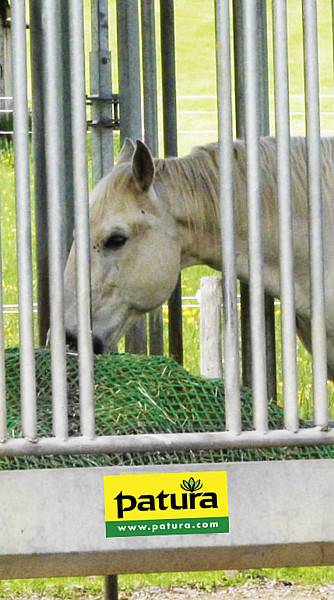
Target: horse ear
{"x":127,"y":151}
{"x":142,"y":167}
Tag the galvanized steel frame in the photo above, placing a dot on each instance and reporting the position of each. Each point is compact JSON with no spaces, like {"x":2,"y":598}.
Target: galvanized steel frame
{"x":49,"y":92}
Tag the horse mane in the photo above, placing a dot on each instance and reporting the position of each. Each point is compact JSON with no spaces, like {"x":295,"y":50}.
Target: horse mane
{"x":196,"y":181}
{"x":191,"y":184}
{"x":193,"y":187}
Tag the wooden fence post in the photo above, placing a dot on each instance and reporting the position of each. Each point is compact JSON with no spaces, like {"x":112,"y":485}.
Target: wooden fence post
{"x":210,"y":327}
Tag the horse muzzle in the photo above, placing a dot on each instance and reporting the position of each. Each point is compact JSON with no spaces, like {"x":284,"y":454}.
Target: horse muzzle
{"x":72,"y":343}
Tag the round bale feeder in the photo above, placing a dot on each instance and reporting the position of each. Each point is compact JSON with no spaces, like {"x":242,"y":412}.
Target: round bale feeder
{"x":125,"y":461}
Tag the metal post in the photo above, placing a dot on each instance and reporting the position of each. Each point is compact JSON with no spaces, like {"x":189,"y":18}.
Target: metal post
{"x":66,"y":107}
{"x":129,"y":69}
{"x":38,"y":130}
{"x":23,"y":211}
{"x":111,"y":587}
{"x":86,"y":373}
{"x":261,"y":50}
{"x":131,"y":124}
{"x":151,"y":134}
{"x":149,"y":75}
{"x":39,"y":127}
{"x":255,"y":250}
{"x":269,"y":307}
{"x":239,"y":76}
{"x":100,"y":73}
{"x":170,"y":148}
{"x":55,"y":193}
{"x":285,"y":216}
{"x":231,"y":336}
{"x":318,"y":323}
{"x":102,"y":136}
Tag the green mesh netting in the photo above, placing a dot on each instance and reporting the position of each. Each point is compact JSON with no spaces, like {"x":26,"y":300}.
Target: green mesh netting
{"x":139,"y":394}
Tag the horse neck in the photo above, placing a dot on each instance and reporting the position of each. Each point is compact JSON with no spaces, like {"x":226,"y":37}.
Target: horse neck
{"x":189,"y":187}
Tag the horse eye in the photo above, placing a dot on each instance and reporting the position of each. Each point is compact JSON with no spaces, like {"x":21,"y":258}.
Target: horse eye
{"x":115,"y":241}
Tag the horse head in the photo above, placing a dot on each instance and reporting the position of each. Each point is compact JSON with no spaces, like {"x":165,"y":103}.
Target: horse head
{"x":135,"y":250}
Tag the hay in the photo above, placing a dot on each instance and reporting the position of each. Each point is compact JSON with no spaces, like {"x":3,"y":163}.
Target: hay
{"x":139,"y":394}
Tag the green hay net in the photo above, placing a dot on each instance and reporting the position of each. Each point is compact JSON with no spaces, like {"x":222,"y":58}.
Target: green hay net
{"x":139,"y":394}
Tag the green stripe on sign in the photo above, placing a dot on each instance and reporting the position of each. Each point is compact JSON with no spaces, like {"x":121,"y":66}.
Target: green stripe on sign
{"x":166,"y":527}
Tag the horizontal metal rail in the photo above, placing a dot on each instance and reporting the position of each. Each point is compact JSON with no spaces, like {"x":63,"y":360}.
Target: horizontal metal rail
{"x":166,"y":442}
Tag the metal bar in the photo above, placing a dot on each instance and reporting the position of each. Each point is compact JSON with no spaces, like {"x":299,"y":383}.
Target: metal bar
{"x":285,"y":216}
{"x":255,"y":251}
{"x":262,"y":50}
{"x":82,"y":244}
{"x":227,"y":218}
{"x":23,"y":208}
{"x":318,"y":323}
{"x":239,"y":76}
{"x":128,"y":67}
{"x":38,"y":128}
{"x":269,"y":309}
{"x":149,"y":76}
{"x":170,"y":149}
{"x":67,"y":110}
{"x":238,"y":25}
{"x":151,"y":134}
{"x":131,"y":124}
{"x":55,"y":188}
{"x":100,"y":72}
{"x":111,"y":587}
{"x":164,"y":442}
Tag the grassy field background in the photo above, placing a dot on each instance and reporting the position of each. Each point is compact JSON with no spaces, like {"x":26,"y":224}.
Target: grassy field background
{"x":197,"y":124}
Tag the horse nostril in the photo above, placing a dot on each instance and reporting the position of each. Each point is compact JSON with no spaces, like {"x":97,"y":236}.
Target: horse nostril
{"x":97,"y":345}
{"x":71,"y":341}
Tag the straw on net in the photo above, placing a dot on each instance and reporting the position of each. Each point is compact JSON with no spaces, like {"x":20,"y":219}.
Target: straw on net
{"x":139,"y":394}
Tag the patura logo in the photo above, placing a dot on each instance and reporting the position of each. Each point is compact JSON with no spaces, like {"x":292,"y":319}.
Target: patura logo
{"x":166,"y":504}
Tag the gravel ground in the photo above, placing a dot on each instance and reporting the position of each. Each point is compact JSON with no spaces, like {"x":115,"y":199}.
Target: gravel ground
{"x":266,"y":590}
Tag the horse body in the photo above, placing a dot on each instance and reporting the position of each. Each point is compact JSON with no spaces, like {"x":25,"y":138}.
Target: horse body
{"x":151,"y":218}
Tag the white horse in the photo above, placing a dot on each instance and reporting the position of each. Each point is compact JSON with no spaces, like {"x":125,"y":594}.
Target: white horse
{"x":150,"y":218}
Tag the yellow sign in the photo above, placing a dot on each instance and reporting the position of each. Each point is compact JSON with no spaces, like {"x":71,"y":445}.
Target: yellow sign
{"x":166,"y":503}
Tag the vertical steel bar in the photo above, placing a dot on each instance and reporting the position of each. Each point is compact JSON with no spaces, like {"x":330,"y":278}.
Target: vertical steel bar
{"x":285,"y":215}
{"x":170,"y":149}
{"x":100,"y":73}
{"x":149,"y":75}
{"x":318,"y":324}
{"x":102,"y":137}
{"x":255,"y":219}
{"x":151,"y":133}
{"x":128,"y":67}
{"x":239,"y":77}
{"x":67,"y":125}
{"x":55,"y":189}
{"x":231,"y":336}
{"x":269,"y":304}
{"x":131,"y":121}
{"x":38,"y":130}
{"x":22,"y":180}
{"x":85,"y":351}
{"x":238,"y":26}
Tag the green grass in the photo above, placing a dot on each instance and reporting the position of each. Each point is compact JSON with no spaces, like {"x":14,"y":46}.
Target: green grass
{"x":75,"y":587}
